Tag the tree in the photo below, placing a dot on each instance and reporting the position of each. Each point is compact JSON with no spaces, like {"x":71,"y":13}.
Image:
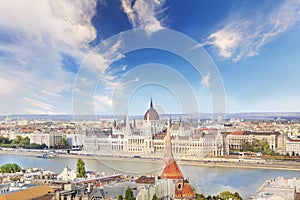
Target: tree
{"x":10,"y":168}
{"x":80,"y":168}
{"x":15,"y":178}
{"x":25,"y":141}
{"x":200,"y":197}
{"x":129,"y":194}
{"x":65,"y":144}
{"x":44,"y":146}
{"x":258,"y":146}
{"x":120,"y":197}
{"x":228,"y":195}
{"x":4,"y":140}
{"x":237,"y":196}
{"x":17,"y":140}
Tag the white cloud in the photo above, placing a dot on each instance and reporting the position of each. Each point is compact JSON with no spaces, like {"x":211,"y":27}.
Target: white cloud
{"x":245,"y":36}
{"x":144,"y":13}
{"x":103,"y":100}
{"x":34,"y":34}
{"x":39,"y":105}
{"x":47,"y":92}
{"x":206,"y":80}
{"x":102,"y":103}
{"x":97,"y":78}
{"x":226,"y":41}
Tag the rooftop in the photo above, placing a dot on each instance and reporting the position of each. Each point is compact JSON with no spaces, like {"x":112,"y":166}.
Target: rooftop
{"x":28,"y":194}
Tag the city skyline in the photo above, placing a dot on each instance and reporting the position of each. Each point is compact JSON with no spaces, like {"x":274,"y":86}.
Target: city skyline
{"x":254,"y":46}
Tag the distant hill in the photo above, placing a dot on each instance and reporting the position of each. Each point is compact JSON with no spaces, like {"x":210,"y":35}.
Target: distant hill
{"x":246,"y":115}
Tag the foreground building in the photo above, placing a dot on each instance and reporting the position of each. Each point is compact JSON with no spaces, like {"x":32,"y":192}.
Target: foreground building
{"x":279,"y":188}
{"x":37,"y":193}
{"x":183,"y":189}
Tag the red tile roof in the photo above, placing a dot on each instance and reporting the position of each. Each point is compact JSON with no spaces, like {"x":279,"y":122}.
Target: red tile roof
{"x":237,"y":133}
{"x":291,"y":140}
{"x":188,"y":190}
{"x":172,"y":171}
{"x":145,"y":180}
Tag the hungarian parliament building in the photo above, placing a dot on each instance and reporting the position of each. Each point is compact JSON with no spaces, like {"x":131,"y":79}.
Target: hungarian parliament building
{"x":146,"y":138}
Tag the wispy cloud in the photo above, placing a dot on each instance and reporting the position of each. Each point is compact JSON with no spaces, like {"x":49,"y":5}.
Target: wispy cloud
{"x":144,"y":13}
{"x":96,"y":80}
{"x":34,"y":37}
{"x":141,"y":14}
{"x":206,"y":80}
{"x":39,"y":105}
{"x":245,"y":36}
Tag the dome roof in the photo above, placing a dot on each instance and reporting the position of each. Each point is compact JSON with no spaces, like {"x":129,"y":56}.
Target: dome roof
{"x":151,"y":113}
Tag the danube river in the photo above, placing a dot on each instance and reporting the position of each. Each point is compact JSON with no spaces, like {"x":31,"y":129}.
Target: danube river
{"x":206,"y":180}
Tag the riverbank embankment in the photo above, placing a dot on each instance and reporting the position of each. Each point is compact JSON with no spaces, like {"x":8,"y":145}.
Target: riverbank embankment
{"x":275,"y":164}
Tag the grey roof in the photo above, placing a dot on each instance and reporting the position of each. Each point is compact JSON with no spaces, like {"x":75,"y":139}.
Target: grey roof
{"x":114,"y":191}
{"x":126,"y":184}
{"x":97,"y":192}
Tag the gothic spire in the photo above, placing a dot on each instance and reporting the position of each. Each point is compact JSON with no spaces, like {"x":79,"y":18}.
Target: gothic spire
{"x":168,"y":155}
{"x":151,"y":104}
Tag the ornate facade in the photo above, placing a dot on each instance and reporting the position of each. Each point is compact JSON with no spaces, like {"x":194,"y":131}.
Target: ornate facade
{"x":146,"y":138}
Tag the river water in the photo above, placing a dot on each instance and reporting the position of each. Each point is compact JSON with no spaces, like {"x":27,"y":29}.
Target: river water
{"x":206,"y":180}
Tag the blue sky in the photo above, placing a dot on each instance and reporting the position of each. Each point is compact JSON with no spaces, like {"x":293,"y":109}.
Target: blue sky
{"x":50,"y":50}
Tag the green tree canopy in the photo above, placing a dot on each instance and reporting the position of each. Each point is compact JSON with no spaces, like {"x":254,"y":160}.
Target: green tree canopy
{"x":258,"y":146}
{"x":228,"y":195}
{"x":65,"y":144}
{"x":17,"y":140}
{"x":10,"y":168}
{"x":200,"y":197}
{"x":80,"y":168}
{"x":129,"y":194}
{"x":25,"y":141}
{"x":4,"y":140}
{"x":20,"y":142}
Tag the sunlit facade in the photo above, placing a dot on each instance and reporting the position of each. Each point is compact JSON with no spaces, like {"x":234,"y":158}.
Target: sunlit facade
{"x":146,"y":138}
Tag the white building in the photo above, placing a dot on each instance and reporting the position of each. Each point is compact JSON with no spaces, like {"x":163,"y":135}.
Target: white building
{"x":75,"y":140}
{"x":278,"y":188}
{"x":67,"y":175}
{"x":293,"y":147}
{"x":162,"y":188}
{"x":50,"y":139}
{"x":237,"y":139}
{"x":147,"y":139}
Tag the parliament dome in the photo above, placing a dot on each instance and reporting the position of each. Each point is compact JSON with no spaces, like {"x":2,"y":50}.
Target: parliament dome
{"x":151,"y":113}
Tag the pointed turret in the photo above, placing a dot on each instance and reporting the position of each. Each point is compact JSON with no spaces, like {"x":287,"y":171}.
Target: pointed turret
{"x":151,"y":104}
{"x":183,"y":189}
{"x":168,"y":155}
{"x":171,"y":169}
{"x":180,"y":122}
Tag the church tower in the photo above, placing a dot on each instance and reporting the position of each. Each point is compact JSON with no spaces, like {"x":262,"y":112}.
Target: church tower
{"x":183,"y":190}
